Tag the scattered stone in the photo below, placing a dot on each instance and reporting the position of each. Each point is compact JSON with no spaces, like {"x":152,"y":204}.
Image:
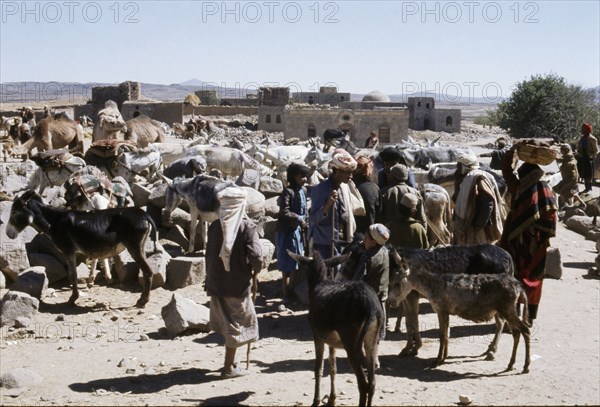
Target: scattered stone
{"x":22,"y":322}
{"x":177,"y":235}
{"x":580,"y":224}
{"x":271,"y":207}
{"x":13,"y":256}
{"x":83,"y":272}
{"x":255,"y":203}
{"x":144,"y":337}
{"x":158,"y":196}
{"x":20,"y":378}
{"x":181,"y":314}
{"x":17,"y":304}
{"x":553,"y":263}
{"x":141,"y":193}
{"x":60,"y":317}
{"x":270,"y":186}
{"x":158,"y":264}
{"x":464,"y":400}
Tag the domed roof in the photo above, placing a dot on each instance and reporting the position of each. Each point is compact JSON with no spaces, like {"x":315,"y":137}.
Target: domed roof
{"x":376,"y":96}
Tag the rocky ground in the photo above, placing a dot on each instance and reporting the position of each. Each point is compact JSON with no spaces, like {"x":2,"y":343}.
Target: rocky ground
{"x":106,"y":352}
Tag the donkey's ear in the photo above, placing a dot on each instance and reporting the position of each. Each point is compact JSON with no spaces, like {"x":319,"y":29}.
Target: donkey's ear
{"x":334,"y":261}
{"x":28,"y":195}
{"x":299,"y":258}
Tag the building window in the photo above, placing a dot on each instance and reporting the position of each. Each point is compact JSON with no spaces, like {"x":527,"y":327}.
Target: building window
{"x":384,"y":133}
{"x":312,"y":131}
{"x":311,"y":100}
{"x":278,"y":118}
{"x":268,"y":119}
{"x":419,"y":104}
{"x":346,"y":117}
{"x":427,"y":105}
{"x":449,"y":121}
{"x":341,"y":98}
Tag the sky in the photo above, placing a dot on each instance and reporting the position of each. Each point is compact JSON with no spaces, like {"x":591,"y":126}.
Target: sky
{"x":465,"y":48}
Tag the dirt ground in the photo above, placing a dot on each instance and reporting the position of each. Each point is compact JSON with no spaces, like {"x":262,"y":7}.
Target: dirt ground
{"x":106,"y":352}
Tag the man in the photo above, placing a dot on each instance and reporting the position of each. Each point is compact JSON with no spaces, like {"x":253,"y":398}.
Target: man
{"x":370,"y":263}
{"x":405,"y":230}
{"x":372,"y":141}
{"x":369,"y":191}
{"x":567,"y":189}
{"x":497,"y":154}
{"x":391,"y":156}
{"x":529,"y":226}
{"x":478,"y":210}
{"x":587,"y":148}
{"x":331,"y":217}
{"x":233,"y":253}
{"x":393,"y":195}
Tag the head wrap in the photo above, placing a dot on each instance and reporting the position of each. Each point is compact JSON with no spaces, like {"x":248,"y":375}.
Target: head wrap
{"x":586,"y":128}
{"x":565,"y":149}
{"x":362,"y":162}
{"x":467,"y":159}
{"x":390,"y":154}
{"x":342,"y":160}
{"x":400,"y":172}
{"x":409,"y":200}
{"x":379,"y":233}
{"x":231,"y":212}
{"x":330,"y":134}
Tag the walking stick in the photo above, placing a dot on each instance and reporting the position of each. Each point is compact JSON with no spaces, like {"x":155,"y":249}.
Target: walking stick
{"x":254,"y":292}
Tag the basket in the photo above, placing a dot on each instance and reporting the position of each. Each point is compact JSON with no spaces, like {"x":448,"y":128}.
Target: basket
{"x":539,"y":155}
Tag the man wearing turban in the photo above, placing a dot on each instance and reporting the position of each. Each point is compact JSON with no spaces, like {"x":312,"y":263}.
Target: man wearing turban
{"x":587,"y":148}
{"x":331,"y":216}
{"x":478,"y":206}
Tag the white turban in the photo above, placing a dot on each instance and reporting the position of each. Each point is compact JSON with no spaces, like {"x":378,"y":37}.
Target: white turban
{"x":379,"y":233}
{"x":468,"y":159}
{"x":231,"y":213}
{"x":342,"y":160}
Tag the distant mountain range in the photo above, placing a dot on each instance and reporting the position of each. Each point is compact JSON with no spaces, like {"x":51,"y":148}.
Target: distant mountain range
{"x":74,"y":92}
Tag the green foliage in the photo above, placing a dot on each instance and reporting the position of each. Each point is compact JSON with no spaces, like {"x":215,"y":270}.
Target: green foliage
{"x":490,"y":119}
{"x":192,"y":99}
{"x":547,"y":106}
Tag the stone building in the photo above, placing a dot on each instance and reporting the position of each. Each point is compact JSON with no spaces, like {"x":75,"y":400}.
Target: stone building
{"x":306,"y":120}
{"x":327,"y":95}
{"x":121,"y":93}
{"x":425,"y":116}
{"x":167,"y":112}
{"x":208,"y":97}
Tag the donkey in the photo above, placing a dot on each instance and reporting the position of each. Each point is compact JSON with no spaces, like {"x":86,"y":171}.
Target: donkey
{"x":344,"y":315}
{"x":96,"y":234}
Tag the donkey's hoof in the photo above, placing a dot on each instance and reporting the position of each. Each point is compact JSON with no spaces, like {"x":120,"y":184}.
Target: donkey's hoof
{"x":141,"y":303}
{"x":490,"y":356}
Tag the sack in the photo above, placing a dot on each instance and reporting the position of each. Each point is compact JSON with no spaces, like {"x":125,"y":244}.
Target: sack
{"x":356,"y":200}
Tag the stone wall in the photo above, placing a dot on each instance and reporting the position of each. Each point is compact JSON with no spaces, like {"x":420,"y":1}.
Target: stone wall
{"x":168,"y":112}
{"x":239,"y":102}
{"x":321,"y":98}
{"x":273,"y":96}
{"x":358,"y":123}
{"x":271,"y":118}
{"x":208,"y":97}
{"x":448,"y":120}
{"x":126,"y":91}
{"x":421,"y":112}
{"x":219,"y":110}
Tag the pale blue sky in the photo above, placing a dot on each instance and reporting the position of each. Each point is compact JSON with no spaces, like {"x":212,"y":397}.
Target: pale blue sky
{"x":393,"y":46}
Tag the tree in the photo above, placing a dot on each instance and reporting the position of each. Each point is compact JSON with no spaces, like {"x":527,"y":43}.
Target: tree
{"x":547,"y":106}
{"x":192,"y":99}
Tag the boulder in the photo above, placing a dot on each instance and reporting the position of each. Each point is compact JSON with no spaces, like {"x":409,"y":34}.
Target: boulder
{"x":553,"y":263}
{"x":2,"y":280}
{"x":268,"y":251}
{"x":20,"y":378}
{"x":13,"y":254}
{"x":184,"y":271}
{"x":249,"y":178}
{"x":125,"y":269}
{"x":158,"y":263}
{"x":172,"y":248}
{"x":181,"y":218}
{"x":83,"y":272}
{"x":181,"y":314}
{"x":17,"y":304}
{"x":270,"y":186}
{"x":32,"y":281}
{"x":580,"y":224}
{"x":271,"y":207}
{"x":42,"y":243}
{"x":255,"y":200}
{"x":158,"y":196}
{"x":141,"y":194}
{"x":55,"y":270}
{"x":178,"y":235}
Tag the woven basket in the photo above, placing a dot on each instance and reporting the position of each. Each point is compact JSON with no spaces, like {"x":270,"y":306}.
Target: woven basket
{"x":536,"y":154}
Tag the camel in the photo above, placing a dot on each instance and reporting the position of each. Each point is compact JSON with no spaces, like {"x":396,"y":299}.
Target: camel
{"x":143,"y":130}
{"x":53,"y":132}
{"x":110,"y":123}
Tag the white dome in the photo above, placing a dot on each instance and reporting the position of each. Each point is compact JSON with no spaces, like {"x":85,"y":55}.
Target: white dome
{"x":376,"y":96}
